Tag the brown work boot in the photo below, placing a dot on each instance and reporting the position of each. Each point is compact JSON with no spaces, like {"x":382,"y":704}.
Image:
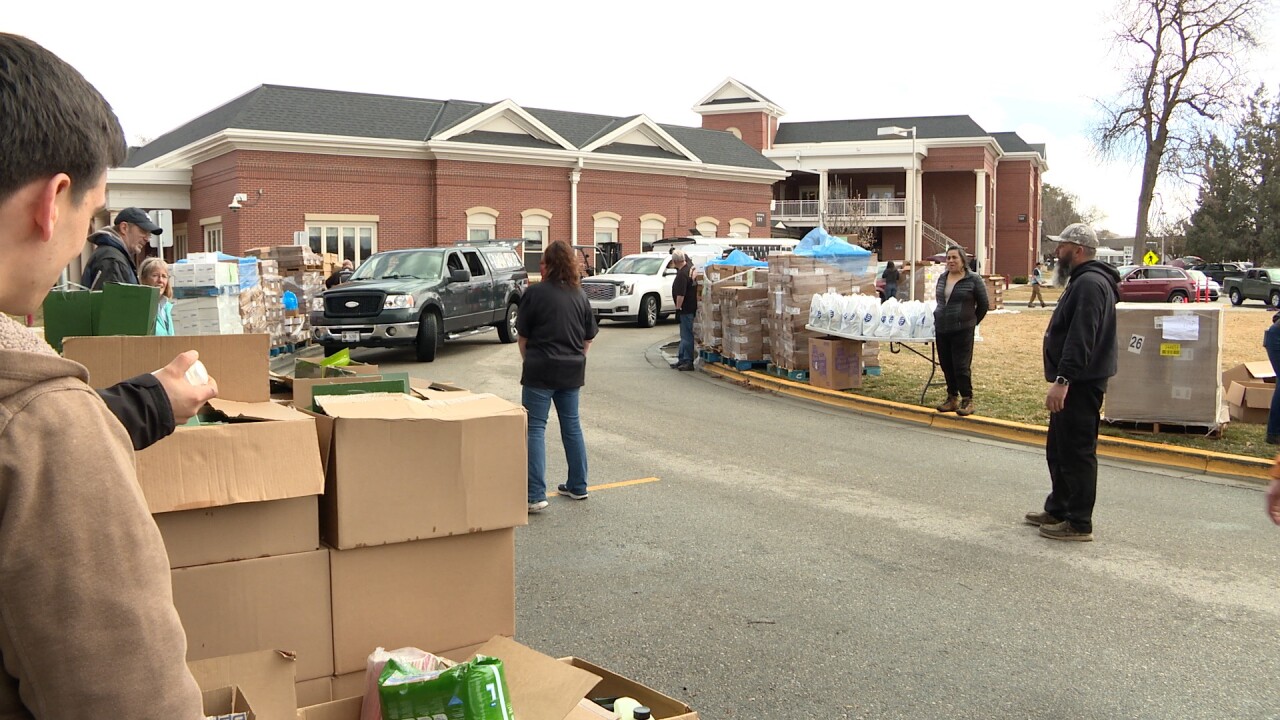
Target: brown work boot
{"x":966,"y":407}
{"x":1041,"y":518}
{"x":1064,"y":531}
{"x":951,"y":405}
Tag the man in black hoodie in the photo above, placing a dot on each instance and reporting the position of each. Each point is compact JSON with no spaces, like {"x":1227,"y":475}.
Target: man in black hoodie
{"x":118,"y":246}
{"x":1079,"y":357}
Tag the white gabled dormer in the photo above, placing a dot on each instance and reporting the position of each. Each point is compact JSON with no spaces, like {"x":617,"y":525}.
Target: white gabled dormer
{"x":732,"y":96}
{"x":505,"y":117}
{"x":640,"y":130}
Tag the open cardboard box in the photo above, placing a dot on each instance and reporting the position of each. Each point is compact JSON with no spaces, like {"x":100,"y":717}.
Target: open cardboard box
{"x":227,"y":703}
{"x":263,"y":679}
{"x":542,"y":688}
{"x":448,"y":463}
{"x":1249,"y":389}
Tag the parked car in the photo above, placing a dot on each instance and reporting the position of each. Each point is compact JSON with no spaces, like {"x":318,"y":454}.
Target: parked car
{"x":1220,"y":271}
{"x":1257,"y":284}
{"x":1155,"y":283}
{"x":1206,"y":287}
{"x":421,"y":297}
{"x":638,"y":287}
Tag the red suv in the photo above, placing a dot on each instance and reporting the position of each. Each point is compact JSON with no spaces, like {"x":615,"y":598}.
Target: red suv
{"x":1156,"y":283}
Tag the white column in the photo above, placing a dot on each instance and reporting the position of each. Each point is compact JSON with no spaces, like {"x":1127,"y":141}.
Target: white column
{"x":574,"y":176}
{"x":823,"y":190}
{"x":980,"y":221}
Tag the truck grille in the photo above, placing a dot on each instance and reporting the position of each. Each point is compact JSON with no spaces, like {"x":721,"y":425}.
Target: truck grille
{"x":366,"y":303}
{"x":600,"y":290}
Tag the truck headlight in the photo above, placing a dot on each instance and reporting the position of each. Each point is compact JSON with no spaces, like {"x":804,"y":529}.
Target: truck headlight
{"x":626,"y":288}
{"x":398,"y":302}
{"x":317,"y":304}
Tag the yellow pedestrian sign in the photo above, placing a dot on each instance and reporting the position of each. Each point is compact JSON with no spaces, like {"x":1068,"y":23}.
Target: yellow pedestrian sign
{"x":1150,"y":258}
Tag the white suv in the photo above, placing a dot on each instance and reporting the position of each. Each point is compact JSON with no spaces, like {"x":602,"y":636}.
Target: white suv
{"x":638,"y":287}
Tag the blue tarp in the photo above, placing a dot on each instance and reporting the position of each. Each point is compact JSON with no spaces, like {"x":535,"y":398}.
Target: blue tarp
{"x":819,"y":243}
{"x":737,"y":257}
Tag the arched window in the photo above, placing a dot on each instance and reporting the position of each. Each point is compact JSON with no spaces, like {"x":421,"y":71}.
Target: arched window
{"x":707,"y":226}
{"x":606,"y":227}
{"x":536,"y":231}
{"x":736,"y":132}
{"x":652,"y":227}
{"x":482,"y":223}
{"x":740,"y":227}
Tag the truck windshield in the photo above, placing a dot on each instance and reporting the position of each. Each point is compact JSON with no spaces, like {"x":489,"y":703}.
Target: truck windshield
{"x":389,"y":266}
{"x":637,"y":266}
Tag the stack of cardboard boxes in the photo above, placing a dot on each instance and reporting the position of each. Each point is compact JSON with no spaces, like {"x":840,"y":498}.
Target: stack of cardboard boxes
{"x":744,"y":311}
{"x":793,"y":281}
{"x":709,"y":329}
{"x":206,"y":296}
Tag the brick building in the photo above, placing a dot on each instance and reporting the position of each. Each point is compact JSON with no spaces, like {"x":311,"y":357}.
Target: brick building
{"x":978,"y":189}
{"x":358,"y":173}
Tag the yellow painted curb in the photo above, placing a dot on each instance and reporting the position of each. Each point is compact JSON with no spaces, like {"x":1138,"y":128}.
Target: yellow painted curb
{"x":1193,"y":459}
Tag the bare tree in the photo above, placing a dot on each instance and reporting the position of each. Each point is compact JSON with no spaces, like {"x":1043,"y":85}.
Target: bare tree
{"x":847,"y":216}
{"x":1183,"y":73}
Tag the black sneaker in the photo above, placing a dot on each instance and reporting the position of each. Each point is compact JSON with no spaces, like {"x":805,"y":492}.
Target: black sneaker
{"x":1064,"y":531}
{"x":1041,"y":518}
{"x":687,"y":367}
{"x":564,"y":490}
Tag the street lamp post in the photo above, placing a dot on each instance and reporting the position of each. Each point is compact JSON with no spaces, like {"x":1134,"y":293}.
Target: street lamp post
{"x":912,"y":228}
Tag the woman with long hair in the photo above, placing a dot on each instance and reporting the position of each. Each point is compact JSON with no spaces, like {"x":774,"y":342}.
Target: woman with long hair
{"x":962,"y":303}
{"x":155,"y":272}
{"x":556,"y":327}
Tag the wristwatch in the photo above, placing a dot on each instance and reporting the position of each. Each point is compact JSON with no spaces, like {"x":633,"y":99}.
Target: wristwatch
{"x":1061,"y":381}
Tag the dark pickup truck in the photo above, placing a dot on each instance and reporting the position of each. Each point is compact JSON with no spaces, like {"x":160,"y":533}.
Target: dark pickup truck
{"x":1257,"y":284}
{"x":421,"y":297}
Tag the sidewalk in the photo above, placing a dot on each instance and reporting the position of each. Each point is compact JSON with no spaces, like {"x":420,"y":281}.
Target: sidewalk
{"x":1154,"y":453}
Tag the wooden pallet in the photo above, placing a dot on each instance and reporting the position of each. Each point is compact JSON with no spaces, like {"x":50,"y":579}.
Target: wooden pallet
{"x":779,"y":371}
{"x":1169,"y":428}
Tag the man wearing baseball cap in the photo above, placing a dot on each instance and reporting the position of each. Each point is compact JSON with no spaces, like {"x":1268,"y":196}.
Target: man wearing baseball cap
{"x":118,"y":247}
{"x":1079,"y":357}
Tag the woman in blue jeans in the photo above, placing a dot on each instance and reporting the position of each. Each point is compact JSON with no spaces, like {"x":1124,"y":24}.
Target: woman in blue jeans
{"x":1271,"y":341}
{"x":556,"y":326}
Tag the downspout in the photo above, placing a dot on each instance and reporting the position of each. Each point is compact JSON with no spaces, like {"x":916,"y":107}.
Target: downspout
{"x":575,"y":175}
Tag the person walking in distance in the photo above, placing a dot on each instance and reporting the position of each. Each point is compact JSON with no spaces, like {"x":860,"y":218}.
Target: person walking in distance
{"x":685,"y":292}
{"x":556,"y":327}
{"x":1079,"y":357}
{"x":891,"y":276}
{"x":1037,"y":280}
{"x":962,"y":303}
{"x":87,"y":621}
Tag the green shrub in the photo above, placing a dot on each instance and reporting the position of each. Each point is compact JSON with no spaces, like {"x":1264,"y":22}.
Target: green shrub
{"x":1020,"y":280}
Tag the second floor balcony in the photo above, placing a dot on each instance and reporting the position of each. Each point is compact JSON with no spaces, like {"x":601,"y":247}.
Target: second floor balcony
{"x":872,"y":212}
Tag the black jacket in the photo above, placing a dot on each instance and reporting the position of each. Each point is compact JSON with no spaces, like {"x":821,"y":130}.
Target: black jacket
{"x":1080,"y":342}
{"x":110,"y":262}
{"x":965,"y":309}
{"x":141,"y":405}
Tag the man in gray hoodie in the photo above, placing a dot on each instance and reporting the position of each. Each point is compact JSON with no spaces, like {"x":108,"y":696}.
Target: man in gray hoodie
{"x":1079,"y":357}
{"x":87,"y":622}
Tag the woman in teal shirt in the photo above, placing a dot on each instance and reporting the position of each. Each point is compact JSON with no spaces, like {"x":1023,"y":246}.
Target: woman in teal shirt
{"x":155,"y":272}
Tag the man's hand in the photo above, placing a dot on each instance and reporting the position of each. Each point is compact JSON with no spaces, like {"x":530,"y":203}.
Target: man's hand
{"x":186,"y":399}
{"x":1273,"y":501}
{"x":1056,"y":398}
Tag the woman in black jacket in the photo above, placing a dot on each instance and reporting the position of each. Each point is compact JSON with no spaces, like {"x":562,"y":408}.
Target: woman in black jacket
{"x":962,"y":303}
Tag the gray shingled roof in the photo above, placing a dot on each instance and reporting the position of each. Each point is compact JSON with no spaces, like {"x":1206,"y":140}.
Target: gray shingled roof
{"x":648,"y":151}
{"x":944,"y":126}
{"x":332,"y":112}
{"x":501,"y":138}
{"x":1012,"y":143}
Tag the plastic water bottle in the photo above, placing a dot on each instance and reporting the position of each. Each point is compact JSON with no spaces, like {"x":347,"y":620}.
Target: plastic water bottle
{"x":197,"y":374}
{"x":625,"y":707}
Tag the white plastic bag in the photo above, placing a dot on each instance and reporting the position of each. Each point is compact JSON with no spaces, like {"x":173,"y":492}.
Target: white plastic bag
{"x":833,"y":305}
{"x":926,"y":329}
{"x":901,"y":329}
{"x":850,"y":315}
{"x":870,"y":317}
{"x":816,"y":310}
{"x":888,"y":318}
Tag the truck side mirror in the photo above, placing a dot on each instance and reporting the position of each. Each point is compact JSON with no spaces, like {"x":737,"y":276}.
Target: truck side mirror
{"x":459,"y":275}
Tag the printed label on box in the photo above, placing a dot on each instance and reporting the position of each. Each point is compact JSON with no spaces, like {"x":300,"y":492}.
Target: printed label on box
{"x":1170,"y":349}
{"x":1135,"y":344}
{"x":1181,"y":393}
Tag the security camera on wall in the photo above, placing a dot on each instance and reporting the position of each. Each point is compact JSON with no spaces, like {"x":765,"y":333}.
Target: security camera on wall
{"x":236,"y":201}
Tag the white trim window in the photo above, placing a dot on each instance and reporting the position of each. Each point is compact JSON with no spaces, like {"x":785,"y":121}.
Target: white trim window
{"x":536,"y":232}
{"x":606,"y":227}
{"x":707,"y":226}
{"x":482,"y":224}
{"x":349,"y":241}
{"x":652,"y":227}
{"x":213,"y":237}
{"x":739,"y":228}
{"x":179,"y":241}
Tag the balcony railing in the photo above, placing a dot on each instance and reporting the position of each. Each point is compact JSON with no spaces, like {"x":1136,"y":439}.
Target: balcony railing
{"x":871,"y":210}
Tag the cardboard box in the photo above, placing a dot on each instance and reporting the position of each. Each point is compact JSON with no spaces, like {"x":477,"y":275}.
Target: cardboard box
{"x":314,"y":692}
{"x":265,"y":678}
{"x":614,"y":685}
{"x":1168,"y":365}
{"x":275,"y":602}
{"x":1256,"y":371}
{"x":432,"y":594}
{"x":241,"y":531}
{"x":227,"y":703}
{"x":344,"y":709}
{"x":238,"y":362}
{"x":449,"y":465}
{"x":835,"y":363}
{"x":1250,"y":401}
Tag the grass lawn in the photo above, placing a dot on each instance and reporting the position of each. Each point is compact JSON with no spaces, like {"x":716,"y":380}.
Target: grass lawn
{"x":1009,"y":383}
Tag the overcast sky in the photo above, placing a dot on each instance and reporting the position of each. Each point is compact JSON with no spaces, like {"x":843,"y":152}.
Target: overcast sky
{"x":1033,"y":68}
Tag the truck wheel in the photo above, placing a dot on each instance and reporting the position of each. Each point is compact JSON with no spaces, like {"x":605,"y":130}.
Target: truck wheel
{"x":1275,"y":298}
{"x":507,"y":329}
{"x":428,"y":337}
{"x":1236,"y":297}
{"x":1178,"y":296}
{"x":648,"y":315}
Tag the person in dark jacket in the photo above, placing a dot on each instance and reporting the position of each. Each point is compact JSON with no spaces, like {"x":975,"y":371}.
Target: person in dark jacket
{"x":890,"y":280}
{"x":1079,"y":357}
{"x":556,"y":327}
{"x":339,"y":276}
{"x":962,"y":303}
{"x":118,"y":246}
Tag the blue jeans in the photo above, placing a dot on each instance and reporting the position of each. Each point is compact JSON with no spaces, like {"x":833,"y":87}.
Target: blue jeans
{"x":1271,"y":341}
{"x":685,"y":354}
{"x":538,"y":402}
